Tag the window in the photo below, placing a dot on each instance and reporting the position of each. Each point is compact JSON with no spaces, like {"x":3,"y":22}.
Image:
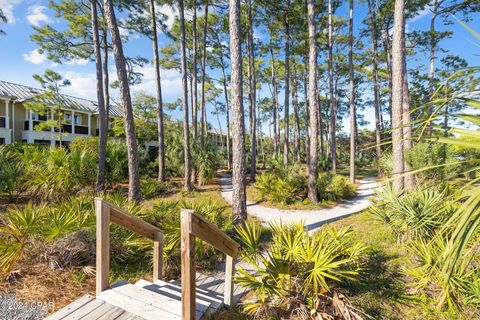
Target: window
{"x":2,"y":140}
{"x":38,"y":117}
{"x":68,"y":118}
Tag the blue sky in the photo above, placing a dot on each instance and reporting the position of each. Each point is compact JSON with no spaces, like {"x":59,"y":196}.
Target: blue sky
{"x":19,"y":59}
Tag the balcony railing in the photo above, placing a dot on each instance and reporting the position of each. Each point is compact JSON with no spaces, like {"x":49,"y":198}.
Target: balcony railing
{"x":67,"y":128}
{"x":3,"y":122}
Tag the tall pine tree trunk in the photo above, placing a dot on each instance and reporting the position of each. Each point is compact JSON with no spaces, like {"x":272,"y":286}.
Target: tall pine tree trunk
{"x":203,"y":116}
{"x":407,"y":126}
{"x":102,"y":142}
{"x":397,"y":94}
{"x":333,"y":118}
{"x":239,"y":198}
{"x":133,"y":171}
{"x":376,"y":92}
{"x":252,"y":95}
{"x":286,"y":120}
{"x":186,"y":129}
{"x":227,"y":115}
{"x":156,"y":63}
{"x":194,"y":79}
{"x":296,"y":115}
{"x":106,"y":90}
{"x":276,"y":121}
{"x":313,"y":104}
{"x":352,"y":95}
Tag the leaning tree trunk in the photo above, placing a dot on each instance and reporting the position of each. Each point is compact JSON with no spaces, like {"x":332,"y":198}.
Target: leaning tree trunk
{"x":102,"y":142}
{"x":313,"y":104}
{"x":376,"y":92}
{"x":161,"y":145}
{"x":203,"y":118}
{"x":397,"y":94}
{"x":286,"y":130}
{"x":186,"y":130}
{"x":352,"y":95}
{"x":239,"y":198}
{"x":252,"y":95}
{"x":333,"y":120}
{"x":106,"y":90}
{"x":133,"y":171}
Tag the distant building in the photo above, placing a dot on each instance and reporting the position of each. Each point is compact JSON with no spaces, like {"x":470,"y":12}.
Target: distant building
{"x":17,"y":123}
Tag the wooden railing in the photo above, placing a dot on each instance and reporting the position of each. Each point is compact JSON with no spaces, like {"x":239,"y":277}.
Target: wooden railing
{"x":193,"y":225}
{"x":106,"y":213}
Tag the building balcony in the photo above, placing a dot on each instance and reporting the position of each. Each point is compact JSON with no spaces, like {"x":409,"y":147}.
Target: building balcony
{"x":67,"y":128}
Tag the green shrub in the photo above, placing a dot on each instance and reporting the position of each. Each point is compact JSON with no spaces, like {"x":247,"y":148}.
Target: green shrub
{"x":415,"y":215}
{"x":151,"y":187}
{"x":11,"y":171}
{"x":441,"y":158}
{"x":340,"y":187}
{"x":295,"y":266}
{"x":264,"y":183}
{"x":332,"y":187}
{"x":206,"y":160}
{"x":386,"y":164}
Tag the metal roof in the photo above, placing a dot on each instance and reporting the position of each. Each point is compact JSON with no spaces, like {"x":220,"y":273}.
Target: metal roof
{"x":23,"y":93}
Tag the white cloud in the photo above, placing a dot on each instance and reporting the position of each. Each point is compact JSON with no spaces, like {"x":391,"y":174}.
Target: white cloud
{"x":169,"y":13}
{"x":7,"y":8}
{"x":81,"y":84}
{"x":171,"y":82}
{"x":77,"y":62}
{"x":422,"y":13}
{"x":36,"y":15}
{"x":35,"y":57}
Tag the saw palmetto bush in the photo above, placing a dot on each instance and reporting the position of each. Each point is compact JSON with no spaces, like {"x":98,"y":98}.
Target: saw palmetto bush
{"x":165,"y":214}
{"x":11,"y":171}
{"x":418,"y":214}
{"x":449,"y":260}
{"x":22,"y":228}
{"x":294,"y":266}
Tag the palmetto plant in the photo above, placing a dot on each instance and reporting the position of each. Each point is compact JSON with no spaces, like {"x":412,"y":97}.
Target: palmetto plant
{"x":21,"y":227}
{"x":295,"y":264}
{"x":418,"y":214}
{"x":457,"y":254}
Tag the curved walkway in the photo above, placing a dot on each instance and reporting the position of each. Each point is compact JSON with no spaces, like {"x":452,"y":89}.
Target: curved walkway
{"x":313,"y":219}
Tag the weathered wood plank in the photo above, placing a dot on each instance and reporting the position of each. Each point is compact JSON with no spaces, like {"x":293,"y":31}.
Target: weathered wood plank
{"x":188,"y":265}
{"x":157,"y":256}
{"x":98,"y":312}
{"x":84,"y":310}
{"x":137,"y":225}
{"x":228,"y":290}
{"x":136,"y":306}
{"x":65,"y":311}
{"x":211,"y":234}
{"x":102,"y":211}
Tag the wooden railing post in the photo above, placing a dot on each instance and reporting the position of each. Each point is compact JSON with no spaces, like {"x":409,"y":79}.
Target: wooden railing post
{"x":102,"y":211}
{"x":188,"y":266}
{"x":158,"y":256}
{"x":229,"y":271}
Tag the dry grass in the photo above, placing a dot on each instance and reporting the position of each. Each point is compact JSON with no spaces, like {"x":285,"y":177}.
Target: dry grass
{"x":40,"y":283}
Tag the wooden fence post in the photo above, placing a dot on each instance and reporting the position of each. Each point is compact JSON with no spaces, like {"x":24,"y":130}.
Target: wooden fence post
{"x":158,"y":256}
{"x":229,"y":270}
{"x":188,"y":266}
{"x":102,"y":211}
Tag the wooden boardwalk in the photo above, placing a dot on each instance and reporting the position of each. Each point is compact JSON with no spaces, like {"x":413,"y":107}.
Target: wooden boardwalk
{"x":195,"y":296}
{"x":147,"y":300}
